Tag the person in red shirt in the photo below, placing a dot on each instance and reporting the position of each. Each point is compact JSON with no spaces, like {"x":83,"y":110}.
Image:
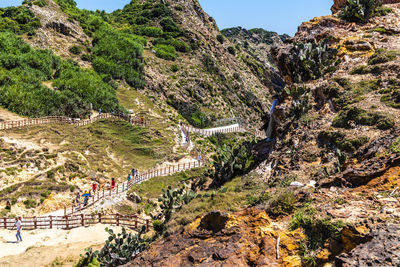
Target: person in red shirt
{"x":112,"y":183}
{"x":94,"y":186}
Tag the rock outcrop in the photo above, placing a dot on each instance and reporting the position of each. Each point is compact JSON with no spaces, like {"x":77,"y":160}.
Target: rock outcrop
{"x":218,"y":239}
{"x":338,"y":4}
{"x":381,"y":249}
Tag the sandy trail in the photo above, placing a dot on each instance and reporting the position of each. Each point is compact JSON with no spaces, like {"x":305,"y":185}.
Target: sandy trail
{"x":42,"y":247}
{"x":6,"y":115}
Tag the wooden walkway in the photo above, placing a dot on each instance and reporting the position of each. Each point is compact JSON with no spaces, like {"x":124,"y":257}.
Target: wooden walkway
{"x":5,"y":125}
{"x":79,"y":220}
{"x":74,"y":214}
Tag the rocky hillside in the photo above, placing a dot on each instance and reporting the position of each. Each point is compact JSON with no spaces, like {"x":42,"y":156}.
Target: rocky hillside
{"x":257,"y":43}
{"x":333,"y":174}
{"x":181,"y":64}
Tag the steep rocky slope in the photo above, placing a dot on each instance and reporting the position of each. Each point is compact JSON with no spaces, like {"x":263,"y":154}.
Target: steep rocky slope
{"x":337,"y":130}
{"x":205,"y":78}
{"x":257,"y":43}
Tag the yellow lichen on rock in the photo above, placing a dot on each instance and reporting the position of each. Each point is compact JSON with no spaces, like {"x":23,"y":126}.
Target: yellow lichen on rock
{"x":355,"y":46}
{"x":292,"y":261}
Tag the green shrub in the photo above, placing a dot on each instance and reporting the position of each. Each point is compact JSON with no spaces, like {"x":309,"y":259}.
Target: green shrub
{"x":30,"y":203}
{"x":231,"y":50}
{"x":174,"y":68}
{"x":382,"y":56}
{"x":300,"y":100}
{"x":166,"y":52}
{"x":178,"y":45}
{"x":362,"y":117}
{"x":18,"y":20}
{"x":159,"y":227}
{"x":317,"y":230}
{"x":88,"y":259}
{"x":232,"y":160}
{"x":119,"y":55}
{"x":150,"y":31}
{"x":40,"y":3}
{"x":210,"y":64}
{"x":50,"y":174}
{"x":339,"y":140}
{"x":283,"y":203}
{"x":312,"y":60}
{"x":359,"y":10}
{"x":360,"y":70}
{"x":390,"y":95}
{"x":220,"y":38}
{"x":168,"y":25}
{"x":76,"y":50}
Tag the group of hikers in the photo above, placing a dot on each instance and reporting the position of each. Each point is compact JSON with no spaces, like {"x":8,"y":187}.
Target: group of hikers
{"x":95,"y":187}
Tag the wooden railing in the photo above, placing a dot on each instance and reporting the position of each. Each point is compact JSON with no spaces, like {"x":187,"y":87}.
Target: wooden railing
{"x":65,"y":120}
{"x":78,"y":220}
{"x":235,"y":128}
{"x":209,"y":132}
{"x":123,"y":187}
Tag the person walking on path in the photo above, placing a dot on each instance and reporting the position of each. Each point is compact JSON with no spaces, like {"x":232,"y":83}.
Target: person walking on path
{"x":94,"y":186}
{"x":99,"y":111}
{"x":90,"y":115}
{"x":78,"y":198}
{"x":112,"y":183}
{"x":129,"y":178}
{"x":18,"y":224}
{"x":199,"y":159}
{"x":133,"y":172}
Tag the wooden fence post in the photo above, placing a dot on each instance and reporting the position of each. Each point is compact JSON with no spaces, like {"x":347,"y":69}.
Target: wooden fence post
{"x":65,"y":210}
{"x":83,"y":219}
{"x":117,"y":218}
{"x":147,"y":225}
{"x":35,"y":222}
{"x":66,"y":222}
{"x":99,"y":217}
{"x":51,"y":221}
{"x":136,"y":221}
{"x":5,"y":223}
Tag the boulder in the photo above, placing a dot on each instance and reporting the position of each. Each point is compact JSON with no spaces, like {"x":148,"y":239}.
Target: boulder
{"x":134,"y":197}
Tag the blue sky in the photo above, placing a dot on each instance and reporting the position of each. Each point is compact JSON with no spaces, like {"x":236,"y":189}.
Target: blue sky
{"x":279,"y":16}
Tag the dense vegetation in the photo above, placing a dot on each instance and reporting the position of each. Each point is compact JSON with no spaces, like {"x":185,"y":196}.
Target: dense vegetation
{"x":119,"y":55}
{"x":362,"y":10}
{"x":152,"y":19}
{"x":232,"y":160}
{"x":18,"y":20}
{"x":23,"y":71}
{"x":118,"y":249}
{"x":313,"y":60}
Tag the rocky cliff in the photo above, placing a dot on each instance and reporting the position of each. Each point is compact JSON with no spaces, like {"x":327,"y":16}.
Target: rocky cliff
{"x":337,"y":129}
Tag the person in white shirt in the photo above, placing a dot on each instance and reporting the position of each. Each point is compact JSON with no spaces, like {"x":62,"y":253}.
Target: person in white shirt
{"x":18,"y":224}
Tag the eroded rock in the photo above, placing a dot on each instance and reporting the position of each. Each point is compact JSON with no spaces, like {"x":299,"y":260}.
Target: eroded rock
{"x":380,"y":249}
{"x":220,"y":239}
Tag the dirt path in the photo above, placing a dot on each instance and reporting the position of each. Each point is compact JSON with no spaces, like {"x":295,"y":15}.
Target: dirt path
{"x":46,"y":247}
{"x":6,"y":115}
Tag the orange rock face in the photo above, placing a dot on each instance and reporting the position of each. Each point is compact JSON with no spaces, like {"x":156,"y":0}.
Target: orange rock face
{"x":246,"y":238}
{"x":338,"y":4}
